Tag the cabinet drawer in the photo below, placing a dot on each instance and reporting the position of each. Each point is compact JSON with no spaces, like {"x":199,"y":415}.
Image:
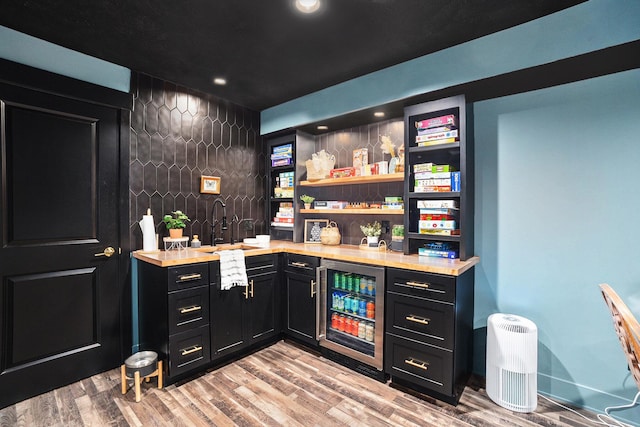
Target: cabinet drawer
{"x":188,"y":276}
{"x":421,"y":319}
{"x":188,"y":350}
{"x":420,"y":364}
{"x":188,"y":309}
{"x":261,"y":264}
{"x":302,"y":264}
{"x":425,"y":285}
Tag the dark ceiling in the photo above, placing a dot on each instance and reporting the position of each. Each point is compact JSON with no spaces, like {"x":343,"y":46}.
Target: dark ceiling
{"x":268,"y":52}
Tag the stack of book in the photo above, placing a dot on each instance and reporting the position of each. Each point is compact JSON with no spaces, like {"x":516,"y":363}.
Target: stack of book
{"x":438,"y":250}
{"x":431,"y":178}
{"x":437,"y":130}
{"x":284,"y":215}
{"x":282,"y":155}
{"x":284,"y":185}
{"x":438,"y":217}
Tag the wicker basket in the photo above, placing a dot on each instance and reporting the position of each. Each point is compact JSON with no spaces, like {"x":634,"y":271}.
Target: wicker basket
{"x":330,"y":235}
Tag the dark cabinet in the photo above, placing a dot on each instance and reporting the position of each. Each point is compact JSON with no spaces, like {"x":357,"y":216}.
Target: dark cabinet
{"x":429,"y":335}
{"x":300,"y":295}
{"x":245,"y":316}
{"x":173,"y":316}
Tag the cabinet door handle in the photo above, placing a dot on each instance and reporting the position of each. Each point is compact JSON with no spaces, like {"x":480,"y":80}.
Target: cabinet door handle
{"x":185,"y":310}
{"x":417,"y":319}
{"x":418,"y":364}
{"x":419,"y":285}
{"x":313,"y":285}
{"x":299,"y":264}
{"x":248,"y":292}
{"x":193,"y":349}
{"x":187,"y":277}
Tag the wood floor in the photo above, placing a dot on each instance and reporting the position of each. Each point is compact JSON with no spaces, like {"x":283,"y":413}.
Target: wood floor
{"x":282,"y":385}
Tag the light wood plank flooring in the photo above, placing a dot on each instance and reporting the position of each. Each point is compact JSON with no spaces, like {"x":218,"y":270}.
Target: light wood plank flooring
{"x":281,"y":385}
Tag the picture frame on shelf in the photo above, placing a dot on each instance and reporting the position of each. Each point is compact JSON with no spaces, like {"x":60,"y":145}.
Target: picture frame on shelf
{"x":312,"y":229}
{"x":209,"y":184}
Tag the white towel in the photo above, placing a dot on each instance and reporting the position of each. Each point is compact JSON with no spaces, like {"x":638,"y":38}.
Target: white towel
{"x":233,"y":271}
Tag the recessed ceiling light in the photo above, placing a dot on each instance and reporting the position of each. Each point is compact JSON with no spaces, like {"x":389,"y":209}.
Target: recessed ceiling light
{"x":379,"y":113}
{"x":220,"y":81}
{"x":323,"y":127}
{"x":307,"y":6}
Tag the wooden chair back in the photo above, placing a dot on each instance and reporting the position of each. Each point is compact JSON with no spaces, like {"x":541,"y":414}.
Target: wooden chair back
{"x":627,"y":328}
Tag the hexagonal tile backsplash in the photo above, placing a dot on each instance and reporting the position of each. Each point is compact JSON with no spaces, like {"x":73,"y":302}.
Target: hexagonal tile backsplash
{"x":178,"y":135}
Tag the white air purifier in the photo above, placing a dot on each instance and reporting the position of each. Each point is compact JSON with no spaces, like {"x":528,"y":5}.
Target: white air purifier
{"x":512,"y":362}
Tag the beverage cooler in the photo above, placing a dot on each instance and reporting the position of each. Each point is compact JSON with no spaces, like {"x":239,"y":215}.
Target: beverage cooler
{"x":350,"y":324}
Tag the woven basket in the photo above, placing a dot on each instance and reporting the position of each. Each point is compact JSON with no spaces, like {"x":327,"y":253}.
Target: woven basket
{"x":330,"y":235}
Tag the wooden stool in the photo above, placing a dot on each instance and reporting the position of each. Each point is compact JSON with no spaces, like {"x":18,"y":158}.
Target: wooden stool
{"x":139,"y":366}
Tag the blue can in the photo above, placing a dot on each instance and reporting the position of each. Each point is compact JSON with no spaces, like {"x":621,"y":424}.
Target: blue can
{"x":362,"y":308}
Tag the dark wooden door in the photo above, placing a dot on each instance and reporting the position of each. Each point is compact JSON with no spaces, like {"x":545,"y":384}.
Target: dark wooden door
{"x":262,"y":316}
{"x":228,"y":319}
{"x":301,"y":307}
{"x":60,"y":296}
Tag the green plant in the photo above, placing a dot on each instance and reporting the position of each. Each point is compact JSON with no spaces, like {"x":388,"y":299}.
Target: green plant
{"x":177,"y":219}
{"x":397,"y":231}
{"x":371,"y":229}
{"x":307,"y":199}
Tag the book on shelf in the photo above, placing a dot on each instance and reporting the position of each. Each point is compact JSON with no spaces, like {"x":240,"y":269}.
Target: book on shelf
{"x":431,"y":175}
{"x":442,"y":168}
{"x":440,"y":232}
{"x":436,"y":225}
{"x":437,"y":142}
{"x":446,"y":120}
{"x":438,"y":211}
{"x":282,"y":224}
{"x":436,"y":217}
{"x":432,"y":204}
{"x":283,"y":220}
{"x":434,"y":130}
{"x":432,"y":189}
{"x":437,"y":135}
{"x":426,"y":182}
{"x":286,"y":148}
{"x":281,"y":162}
{"x":437,"y":253}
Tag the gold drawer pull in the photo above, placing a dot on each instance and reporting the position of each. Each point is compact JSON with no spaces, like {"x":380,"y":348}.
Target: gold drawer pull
{"x":191,"y":350}
{"x":418,"y":364}
{"x":299,"y":264}
{"x":416,"y":319}
{"x":313,"y":285}
{"x":185,"y":277}
{"x":419,"y":285}
{"x":190,"y":309}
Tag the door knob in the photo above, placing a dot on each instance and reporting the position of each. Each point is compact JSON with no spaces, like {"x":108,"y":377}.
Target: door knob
{"x":107,"y":252}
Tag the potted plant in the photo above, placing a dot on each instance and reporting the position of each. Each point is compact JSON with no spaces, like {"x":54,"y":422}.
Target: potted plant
{"x":175,"y":223}
{"x":372,"y":231}
{"x":307,"y":200}
{"x":397,"y":237}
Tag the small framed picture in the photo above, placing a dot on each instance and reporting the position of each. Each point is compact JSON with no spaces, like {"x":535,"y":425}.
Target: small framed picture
{"x":209,"y":184}
{"x":312,"y":229}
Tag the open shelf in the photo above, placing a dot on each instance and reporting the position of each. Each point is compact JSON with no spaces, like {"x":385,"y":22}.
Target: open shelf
{"x":369,"y":179}
{"x":364,"y":211}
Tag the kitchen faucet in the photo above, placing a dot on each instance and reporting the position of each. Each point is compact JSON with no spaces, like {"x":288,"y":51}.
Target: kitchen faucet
{"x":235,"y":219}
{"x":223,"y":224}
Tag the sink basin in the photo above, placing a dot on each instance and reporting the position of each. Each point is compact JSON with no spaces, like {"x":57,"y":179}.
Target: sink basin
{"x":224,"y":247}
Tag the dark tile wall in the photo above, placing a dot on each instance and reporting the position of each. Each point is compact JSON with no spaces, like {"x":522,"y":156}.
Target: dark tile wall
{"x":178,"y":135}
{"x":341,"y":144}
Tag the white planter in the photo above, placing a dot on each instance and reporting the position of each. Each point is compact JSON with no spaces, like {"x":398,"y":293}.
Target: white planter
{"x":372,"y":240}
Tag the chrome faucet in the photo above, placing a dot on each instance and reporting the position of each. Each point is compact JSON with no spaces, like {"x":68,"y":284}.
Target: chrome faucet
{"x":223,"y":224}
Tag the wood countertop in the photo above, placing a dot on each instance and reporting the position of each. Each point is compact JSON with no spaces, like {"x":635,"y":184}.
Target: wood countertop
{"x":451,"y":267}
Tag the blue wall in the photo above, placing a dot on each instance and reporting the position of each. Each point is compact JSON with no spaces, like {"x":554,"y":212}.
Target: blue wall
{"x":557,"y":214}
{"x":27,"y":50}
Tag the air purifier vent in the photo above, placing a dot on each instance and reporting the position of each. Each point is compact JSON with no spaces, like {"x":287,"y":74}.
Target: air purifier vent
{"x":512,"y":362}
